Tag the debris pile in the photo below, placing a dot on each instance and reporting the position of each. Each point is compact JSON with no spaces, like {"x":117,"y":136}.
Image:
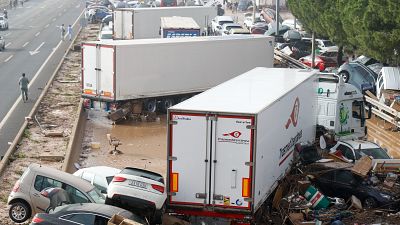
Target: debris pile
{"x":330,"y":191}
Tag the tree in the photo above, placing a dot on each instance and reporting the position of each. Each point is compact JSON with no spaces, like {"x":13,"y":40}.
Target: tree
{"x":371,"y":26}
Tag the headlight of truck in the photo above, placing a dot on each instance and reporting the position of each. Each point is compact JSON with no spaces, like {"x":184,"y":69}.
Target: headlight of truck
{"x":385,"y":196}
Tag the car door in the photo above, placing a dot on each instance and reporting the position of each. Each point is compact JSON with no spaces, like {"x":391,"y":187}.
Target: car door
{"x":324,"y":183}
{"x":344,"y":184}
{"x":39,"y":202}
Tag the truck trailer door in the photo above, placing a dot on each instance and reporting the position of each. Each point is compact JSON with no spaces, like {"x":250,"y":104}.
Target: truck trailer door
{"x":105,"y":70}
{"x":89,"y":74}
{"x":98,"y":67}
{"x":231,"y":174}
{"x":188,"y":159}
{"x":210,"y":160}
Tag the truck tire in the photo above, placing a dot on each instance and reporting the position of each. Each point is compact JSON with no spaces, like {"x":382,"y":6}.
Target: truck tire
{"x":166,"y":103}
{"x":150,"y":105}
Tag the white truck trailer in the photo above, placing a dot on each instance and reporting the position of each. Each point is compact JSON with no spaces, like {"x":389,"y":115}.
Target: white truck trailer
{"x":167,"y":70}
{"x":229,"y":146}
{"x":138,"y":23}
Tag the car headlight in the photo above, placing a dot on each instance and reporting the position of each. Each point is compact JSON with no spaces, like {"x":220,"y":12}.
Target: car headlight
{"x":385,"y":196}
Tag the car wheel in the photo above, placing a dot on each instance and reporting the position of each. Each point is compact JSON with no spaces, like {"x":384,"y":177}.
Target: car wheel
{"x":19,"y":212}
{"x":370,"y":203}
{"x":345,"y":75}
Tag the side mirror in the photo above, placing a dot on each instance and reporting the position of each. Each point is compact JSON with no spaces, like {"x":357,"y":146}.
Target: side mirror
{"x":219,"y":27}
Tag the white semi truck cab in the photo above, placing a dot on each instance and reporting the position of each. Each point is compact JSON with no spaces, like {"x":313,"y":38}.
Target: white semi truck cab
{"x":340,"y":108}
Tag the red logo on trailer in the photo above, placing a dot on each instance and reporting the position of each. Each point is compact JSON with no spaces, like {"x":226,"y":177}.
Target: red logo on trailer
{"x":235,"y":134}
{"x":294,"y":116}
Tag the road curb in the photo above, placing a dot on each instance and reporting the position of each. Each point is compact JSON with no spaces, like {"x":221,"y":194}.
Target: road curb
{"x":5,"y":161}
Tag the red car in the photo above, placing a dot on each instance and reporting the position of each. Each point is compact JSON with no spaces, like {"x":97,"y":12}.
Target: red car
{"x":321,"y":61}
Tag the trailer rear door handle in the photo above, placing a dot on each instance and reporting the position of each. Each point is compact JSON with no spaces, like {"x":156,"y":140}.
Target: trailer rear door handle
{"x":201,"y":195}
{"x":218,"y":197}
{"x":97,"y":69}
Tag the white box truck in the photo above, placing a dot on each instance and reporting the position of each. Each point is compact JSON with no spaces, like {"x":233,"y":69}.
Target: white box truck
{"x":167,"y":70}
{"x":138,"y":23}
{"x":229,"y":146}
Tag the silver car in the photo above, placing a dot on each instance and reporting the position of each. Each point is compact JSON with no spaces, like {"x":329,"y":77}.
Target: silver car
{"x":29,"y":196}
{"x":2,"y":43}
{"x":3,"y":23}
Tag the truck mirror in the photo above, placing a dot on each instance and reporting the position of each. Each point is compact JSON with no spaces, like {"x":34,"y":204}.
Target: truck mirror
{"x":322,"y":142}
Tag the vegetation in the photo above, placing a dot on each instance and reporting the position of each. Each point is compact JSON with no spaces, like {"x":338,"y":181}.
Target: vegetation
{"x":371,"y":27}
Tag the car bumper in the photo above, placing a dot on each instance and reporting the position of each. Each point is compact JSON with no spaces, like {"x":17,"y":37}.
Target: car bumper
{"x":129,"y":203}
{"x":152,"y":198}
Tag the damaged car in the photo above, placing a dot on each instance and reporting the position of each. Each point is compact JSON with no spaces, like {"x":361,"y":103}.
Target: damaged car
{"x":343,"y":183}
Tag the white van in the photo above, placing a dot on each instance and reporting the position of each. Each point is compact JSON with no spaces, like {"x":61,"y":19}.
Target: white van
{"x":388,"y":84}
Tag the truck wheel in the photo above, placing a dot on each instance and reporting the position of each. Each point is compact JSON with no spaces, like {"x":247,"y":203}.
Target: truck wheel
{"x":166,"y":103}
{"x":150,"y":105}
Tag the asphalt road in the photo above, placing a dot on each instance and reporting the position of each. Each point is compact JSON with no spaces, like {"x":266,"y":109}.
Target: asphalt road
{"x":33,"y":47}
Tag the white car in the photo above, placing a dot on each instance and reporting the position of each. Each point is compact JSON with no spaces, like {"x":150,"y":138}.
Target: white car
{"x":218,"y":21}
{"x":249,"y":21}
{"x":140,"y":190}
{"x":98,"y":176}
{"x":2,"y":43}
{"x":326,"y":45}
{"x":105,"y":34}
{"x":353,"y":150}
{"x":290,"y":23}
{"x":228,"y":26}
{"x":3,"y":23}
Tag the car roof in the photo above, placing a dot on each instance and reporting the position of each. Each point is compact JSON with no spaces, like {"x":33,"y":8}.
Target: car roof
{"x":102,"y":170}
{"x":62,"y":176}
{"x":92,"y":207}
{"x":364,"y":144}
{"x":224,"y":18}
{"x":391,"y":77}
{"x":231,"y":24}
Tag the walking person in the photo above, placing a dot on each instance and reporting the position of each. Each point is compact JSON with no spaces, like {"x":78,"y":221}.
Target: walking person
{"x":62,"y":29}
{"x":69,"y":32}
{"x":23,"y":84}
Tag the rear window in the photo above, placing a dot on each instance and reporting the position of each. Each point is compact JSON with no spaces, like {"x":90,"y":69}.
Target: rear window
{"x":143,"y":173}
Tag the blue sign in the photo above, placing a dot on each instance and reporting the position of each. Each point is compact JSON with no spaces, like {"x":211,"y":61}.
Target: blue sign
{"x":180,"y":33}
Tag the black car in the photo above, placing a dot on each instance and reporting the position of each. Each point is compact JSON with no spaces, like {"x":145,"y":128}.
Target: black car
{"x":343,"y":183}
{"x":87,"y":214}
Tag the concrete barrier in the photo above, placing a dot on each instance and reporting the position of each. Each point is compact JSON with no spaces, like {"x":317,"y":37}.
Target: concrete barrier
{"x":75,"y":141}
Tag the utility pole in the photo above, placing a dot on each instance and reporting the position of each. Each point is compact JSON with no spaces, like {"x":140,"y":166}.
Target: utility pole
{"x":254,"y":10}
{"x":313,"y":50}
{"x":277,"y":17}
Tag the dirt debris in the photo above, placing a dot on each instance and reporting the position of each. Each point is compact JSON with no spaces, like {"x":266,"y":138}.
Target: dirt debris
{"x":56,"y":113}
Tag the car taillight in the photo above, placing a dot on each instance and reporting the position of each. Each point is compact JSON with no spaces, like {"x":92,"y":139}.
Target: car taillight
{"x":158,"y":188}
{"x":16,"y":187}
{"x":37,"y":220}
{"x":119,"y":179}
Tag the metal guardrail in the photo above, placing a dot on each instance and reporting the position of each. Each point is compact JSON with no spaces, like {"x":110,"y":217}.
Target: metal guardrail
{"x":291,"y":62}
{"x":385,"y":112}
